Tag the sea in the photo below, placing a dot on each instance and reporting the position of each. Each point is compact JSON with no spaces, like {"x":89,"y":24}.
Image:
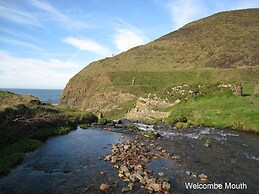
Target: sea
{"x":51,"y":96}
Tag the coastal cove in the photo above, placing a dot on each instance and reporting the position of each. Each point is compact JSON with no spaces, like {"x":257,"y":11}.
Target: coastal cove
{"x":174,"y":113}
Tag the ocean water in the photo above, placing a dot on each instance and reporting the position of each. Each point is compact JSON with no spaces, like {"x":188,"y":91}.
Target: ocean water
{"x":51,"y":96}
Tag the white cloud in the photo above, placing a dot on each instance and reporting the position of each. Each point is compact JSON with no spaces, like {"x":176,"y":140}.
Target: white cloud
{"x":88,"y":45}
{"x":58,"y":15}
{"x":15,"y":14}
{"x":34,"y":73}
{"x":21,"y":43}
{"x":185,"y":11}
{"x":125,"y":39}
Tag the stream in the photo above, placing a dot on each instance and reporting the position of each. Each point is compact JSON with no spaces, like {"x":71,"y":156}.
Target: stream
{"x":70,"y":164}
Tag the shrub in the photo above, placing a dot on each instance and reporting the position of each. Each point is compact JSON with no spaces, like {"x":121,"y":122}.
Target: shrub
{"x":182,"y":125}
{"x":175,"y":118}
{"x":88,"y":118}
{"x":102,"y":121}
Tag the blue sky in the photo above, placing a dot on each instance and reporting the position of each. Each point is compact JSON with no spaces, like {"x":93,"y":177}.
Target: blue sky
{"x":44,"y":43}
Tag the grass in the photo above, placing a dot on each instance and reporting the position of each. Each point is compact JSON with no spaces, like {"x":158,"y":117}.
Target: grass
{"x":152,"y":121}
{"x":43,"y":134}
{"x":202,"y":52}
{"x":120,"y":112}
{"x":221,"y":111}
{"x":26,"y":123}
{"x":102,"y":121}
{"x":157,"y":81}
{"x":182,"y":125}
{"x":13,"y":154}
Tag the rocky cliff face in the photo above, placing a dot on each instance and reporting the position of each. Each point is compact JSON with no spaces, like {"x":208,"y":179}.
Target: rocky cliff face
{"x":221,"y":48}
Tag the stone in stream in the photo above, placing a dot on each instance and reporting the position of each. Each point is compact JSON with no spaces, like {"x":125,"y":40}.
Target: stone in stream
{"x":161,"y":174}
{"x":188,"y":173}
{"x":132,"y":178}
{"x":166,"y":186}
{"x":108,"y":157}
{"x":131,"y":157}
{"x":206,"y":145}
{"x":104,"y":187}
{"x":86,"y":190}
{"x":155,"y":186}
{"x":113,"y":159}
{"x":124,"y":169}
{"x":126,"y":147}
{"x":203,"y":177}
{"x":138,"y":176}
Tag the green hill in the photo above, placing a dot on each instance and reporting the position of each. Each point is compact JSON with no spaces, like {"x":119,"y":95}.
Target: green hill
{"x":220,"y":49}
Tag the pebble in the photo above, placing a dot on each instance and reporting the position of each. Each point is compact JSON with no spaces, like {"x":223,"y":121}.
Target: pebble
{"x":188,"y":173}
{"x":161,"y":174}
{"x":104,"y":187}
{"x":206,"y":145}
{"x":203,"y":176}
{"x":166,"y":186}
{"x":156,"y":187}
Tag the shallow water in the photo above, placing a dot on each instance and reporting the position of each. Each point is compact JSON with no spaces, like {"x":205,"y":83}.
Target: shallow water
{"x":232,"y":157}
{"x":69,"y":163}
{"x":65,"y":164}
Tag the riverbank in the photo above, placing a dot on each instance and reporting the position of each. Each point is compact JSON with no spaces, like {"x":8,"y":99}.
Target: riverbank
{"x":25,"y":123}
{"x":94,"y":159}
{"x":219,"y":111}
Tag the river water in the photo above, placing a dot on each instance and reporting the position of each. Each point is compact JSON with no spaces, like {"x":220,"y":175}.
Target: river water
{"x":70,"y":164}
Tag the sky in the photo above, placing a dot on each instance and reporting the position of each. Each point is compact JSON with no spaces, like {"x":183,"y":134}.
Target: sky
{"x":44,"y":43}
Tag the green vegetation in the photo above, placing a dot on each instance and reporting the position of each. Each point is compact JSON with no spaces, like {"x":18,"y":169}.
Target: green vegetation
{"x":12,"y":154}
{"x":149,"y":134}
{"x":151,"y":121}
{"x":177,"y":117}
{"x":102,"y":121}
{"x":182,"y":125}
{"x":84,"y":125}
{"x":203,"y":53}
{"x":25,"y":122}
{"x":207,"y":143}
{"x":49,"y":132}
{"x":120,"y":112}
{"x":221,"y":111}
{"x":130,"y":126}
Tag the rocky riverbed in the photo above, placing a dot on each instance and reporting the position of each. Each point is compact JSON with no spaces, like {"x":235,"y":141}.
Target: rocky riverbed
{"x":115,"y":160}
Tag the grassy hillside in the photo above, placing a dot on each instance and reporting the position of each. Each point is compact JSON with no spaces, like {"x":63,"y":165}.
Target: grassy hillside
{"x":220,"y":49}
